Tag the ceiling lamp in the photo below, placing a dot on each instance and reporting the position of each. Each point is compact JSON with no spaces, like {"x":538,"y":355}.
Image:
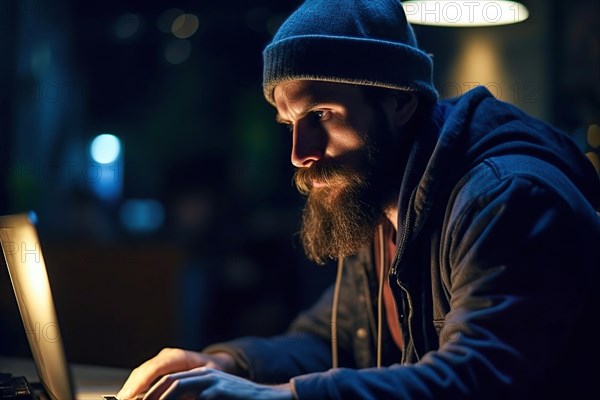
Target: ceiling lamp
{"x":464,"y":13}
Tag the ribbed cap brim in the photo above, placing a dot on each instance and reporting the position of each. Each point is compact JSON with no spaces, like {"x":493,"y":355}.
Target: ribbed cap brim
{"x":348,"y":60}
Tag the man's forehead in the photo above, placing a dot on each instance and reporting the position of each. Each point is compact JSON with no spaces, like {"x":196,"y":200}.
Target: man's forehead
{"x":313,"y":91}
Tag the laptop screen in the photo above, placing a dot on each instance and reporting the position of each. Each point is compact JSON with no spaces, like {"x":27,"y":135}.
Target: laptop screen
{"x":27,"y":269}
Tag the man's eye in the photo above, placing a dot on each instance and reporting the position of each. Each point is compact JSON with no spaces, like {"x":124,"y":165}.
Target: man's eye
{"x":321,"y":115}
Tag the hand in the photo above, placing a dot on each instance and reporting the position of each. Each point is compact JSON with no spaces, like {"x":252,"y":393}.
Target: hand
{"x":206,"y":383}
{"x":168,"y":361}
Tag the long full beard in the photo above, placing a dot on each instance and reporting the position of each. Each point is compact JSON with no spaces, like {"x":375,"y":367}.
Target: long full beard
{"x":342,"y":213}
{"x":337,"y":227}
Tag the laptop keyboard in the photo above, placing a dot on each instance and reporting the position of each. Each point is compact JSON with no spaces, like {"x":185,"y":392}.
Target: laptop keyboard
{"x":14,"y":388}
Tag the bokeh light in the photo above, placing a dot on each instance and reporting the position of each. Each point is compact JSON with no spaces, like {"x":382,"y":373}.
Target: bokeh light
{"x":127,"y":25}
{"x":177,"y":51}
{"x":593,"y":136}
{"x":105,"y":148}
{"x":185,"y":26}
{"x":142,"y":215}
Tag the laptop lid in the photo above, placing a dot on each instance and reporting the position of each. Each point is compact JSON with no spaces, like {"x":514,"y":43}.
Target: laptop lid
{"x":27,"y":270}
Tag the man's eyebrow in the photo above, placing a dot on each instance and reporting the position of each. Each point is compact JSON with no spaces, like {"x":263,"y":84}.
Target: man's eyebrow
{"x":309,"y":107}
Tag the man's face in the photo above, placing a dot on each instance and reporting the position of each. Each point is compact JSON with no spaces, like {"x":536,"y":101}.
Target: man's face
{"x":340,"y":146}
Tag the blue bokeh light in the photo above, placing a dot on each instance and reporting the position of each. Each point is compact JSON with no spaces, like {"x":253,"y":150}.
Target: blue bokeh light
{"x":105,"y":148}
{"x":142,"y":215}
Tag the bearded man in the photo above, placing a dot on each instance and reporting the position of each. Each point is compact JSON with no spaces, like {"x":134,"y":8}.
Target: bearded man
{"x":465,"y":233}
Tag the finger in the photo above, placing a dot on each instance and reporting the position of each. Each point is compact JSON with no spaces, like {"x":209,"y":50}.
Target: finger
{"x":209,"y":393}
{"x":167,"y":361}
{"x":141,"y":378}
{"x":169,"y":380}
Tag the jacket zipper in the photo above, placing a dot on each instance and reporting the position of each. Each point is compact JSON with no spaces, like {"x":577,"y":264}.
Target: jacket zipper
{"x":394,"y":270}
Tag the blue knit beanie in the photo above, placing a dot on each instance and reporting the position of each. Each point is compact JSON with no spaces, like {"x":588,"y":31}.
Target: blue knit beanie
{"x":365,"y":42}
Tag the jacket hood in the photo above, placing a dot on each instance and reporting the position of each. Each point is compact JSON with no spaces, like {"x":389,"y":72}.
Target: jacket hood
{"x":466,"y":130}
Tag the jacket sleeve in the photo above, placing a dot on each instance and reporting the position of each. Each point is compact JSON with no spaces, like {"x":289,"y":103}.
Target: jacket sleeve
{"x":519,"y":259}
{"x":276,"y":359}
{"x":304,"y":348}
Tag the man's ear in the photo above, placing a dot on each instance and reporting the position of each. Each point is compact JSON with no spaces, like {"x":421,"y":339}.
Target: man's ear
{"x":400,"y":107}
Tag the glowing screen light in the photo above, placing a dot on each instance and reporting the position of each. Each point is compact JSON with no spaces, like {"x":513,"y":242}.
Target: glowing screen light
{"x":105,"y":148}
{"x":464,"y":13}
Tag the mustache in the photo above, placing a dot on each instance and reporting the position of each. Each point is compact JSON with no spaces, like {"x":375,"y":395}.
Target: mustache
{"x":327,"y":173}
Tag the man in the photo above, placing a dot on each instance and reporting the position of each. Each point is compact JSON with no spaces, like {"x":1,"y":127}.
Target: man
{"x":465,"y":230}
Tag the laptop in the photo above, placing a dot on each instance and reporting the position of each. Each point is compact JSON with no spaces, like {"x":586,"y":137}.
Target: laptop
{"x":27,"y":269}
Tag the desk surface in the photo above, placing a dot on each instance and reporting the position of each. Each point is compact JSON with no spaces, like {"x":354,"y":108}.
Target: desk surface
{"x":94,"y":379}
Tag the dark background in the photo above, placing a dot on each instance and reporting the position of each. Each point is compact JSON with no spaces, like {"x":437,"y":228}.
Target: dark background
{"x":197,"y":241}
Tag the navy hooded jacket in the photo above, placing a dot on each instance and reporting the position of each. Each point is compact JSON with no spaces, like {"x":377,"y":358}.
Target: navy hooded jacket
{"x":493,"y":278}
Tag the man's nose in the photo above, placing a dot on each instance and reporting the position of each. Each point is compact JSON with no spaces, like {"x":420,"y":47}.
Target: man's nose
{"x":308,"y":145}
